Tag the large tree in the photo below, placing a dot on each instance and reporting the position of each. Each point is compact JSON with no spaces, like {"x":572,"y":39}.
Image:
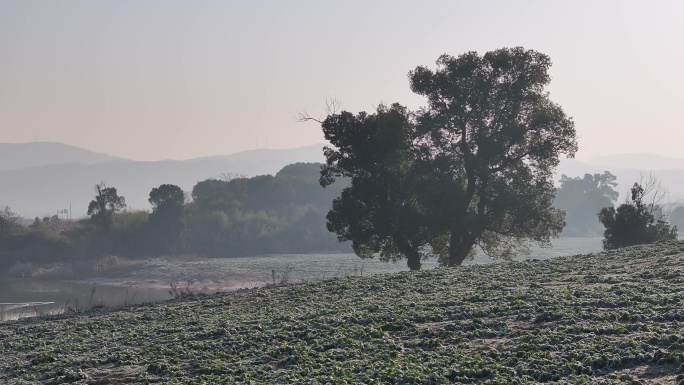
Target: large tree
{"x":106,"y":203}
{"x":476,"y":163}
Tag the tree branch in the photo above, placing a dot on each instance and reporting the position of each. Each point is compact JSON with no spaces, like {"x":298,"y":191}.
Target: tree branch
{"x":659,"y":202}
{"x":332,"y":106}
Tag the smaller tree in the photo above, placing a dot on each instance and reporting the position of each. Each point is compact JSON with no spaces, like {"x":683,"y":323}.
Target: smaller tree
{"x":166,"y":219}
{"x":106,"y":203}
{"x":379,"y":212}
{"x":639,"y":220}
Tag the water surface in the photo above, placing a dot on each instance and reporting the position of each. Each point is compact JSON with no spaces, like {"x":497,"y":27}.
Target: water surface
{"x":26,"y":297}
{"x":152,"y":281}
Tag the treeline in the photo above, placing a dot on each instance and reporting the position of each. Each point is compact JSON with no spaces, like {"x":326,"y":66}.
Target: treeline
{"x":591,"y":209}
{"x":230,"y":216}
{"x":240,"y":216}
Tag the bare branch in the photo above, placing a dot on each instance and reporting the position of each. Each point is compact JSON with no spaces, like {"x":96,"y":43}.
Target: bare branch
{"x":332,"y":106}
{"x":657,"y":195}
{"x":305,"y":117}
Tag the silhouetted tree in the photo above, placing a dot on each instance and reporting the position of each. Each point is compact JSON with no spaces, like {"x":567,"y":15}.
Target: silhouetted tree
{"x":166,"y":220}
{"x":474,"y":167}
{"x":494,"y":137}
{"x":581,"y":198}
{"x":106,"y":203}
{"x":634,"y":222}
{"x":379,"y":212}
{"x":221,"y":195}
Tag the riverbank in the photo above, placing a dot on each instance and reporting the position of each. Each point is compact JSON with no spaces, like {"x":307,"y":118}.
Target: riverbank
{"x":113,"y":281}
{"x":224,"y":274}
{"x":613,"y":318}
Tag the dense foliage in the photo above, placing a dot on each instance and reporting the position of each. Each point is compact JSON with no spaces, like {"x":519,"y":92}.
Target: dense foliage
{"x":261,"y":215}
{"x":607,"y":318}
{"x":380,"y":212}
{"x":634,"y":223}
{"x":472,"y":168}
{"x":167,"y":221}
{"x":582,"y":198}
{"x":36,"y":244}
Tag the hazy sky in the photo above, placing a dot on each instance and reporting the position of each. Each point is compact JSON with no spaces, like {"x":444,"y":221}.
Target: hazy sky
{"x":152,"y":80}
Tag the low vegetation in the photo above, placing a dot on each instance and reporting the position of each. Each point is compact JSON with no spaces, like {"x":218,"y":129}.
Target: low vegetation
{"x":639,"y":220}
{"x":607,"y":318}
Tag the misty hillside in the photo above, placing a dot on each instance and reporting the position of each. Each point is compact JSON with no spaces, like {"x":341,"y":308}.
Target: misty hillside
{"x":15,"y":156}
{"x":37,"y":179}
{"x":39,"y":190}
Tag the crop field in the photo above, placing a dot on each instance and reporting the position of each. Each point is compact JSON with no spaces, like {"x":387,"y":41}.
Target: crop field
{"x":602,"y":318}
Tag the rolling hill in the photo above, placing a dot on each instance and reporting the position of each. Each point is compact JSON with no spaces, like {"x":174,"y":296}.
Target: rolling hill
{"x":16,"y":156}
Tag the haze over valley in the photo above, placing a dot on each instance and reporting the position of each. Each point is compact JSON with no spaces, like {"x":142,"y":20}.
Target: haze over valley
{"x":40,"y":178}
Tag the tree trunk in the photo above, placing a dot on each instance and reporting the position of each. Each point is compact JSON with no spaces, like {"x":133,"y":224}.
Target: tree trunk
{"x":412,"y":255}
{"x":459,"y":248}
{"x":413,"y":260}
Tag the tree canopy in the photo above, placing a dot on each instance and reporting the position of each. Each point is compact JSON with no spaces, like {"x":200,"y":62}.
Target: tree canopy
{"x":264,"y":214}
{"x":379,"y":212}
{"x":167,"y":219}
{"x":106,"y":203}
{"x":472,"y":168}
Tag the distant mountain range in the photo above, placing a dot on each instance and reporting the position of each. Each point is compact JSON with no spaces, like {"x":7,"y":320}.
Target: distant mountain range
{"x":37,"y":179}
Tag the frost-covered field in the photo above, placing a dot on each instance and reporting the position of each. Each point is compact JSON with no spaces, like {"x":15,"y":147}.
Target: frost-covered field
{"x":601,"y":318}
